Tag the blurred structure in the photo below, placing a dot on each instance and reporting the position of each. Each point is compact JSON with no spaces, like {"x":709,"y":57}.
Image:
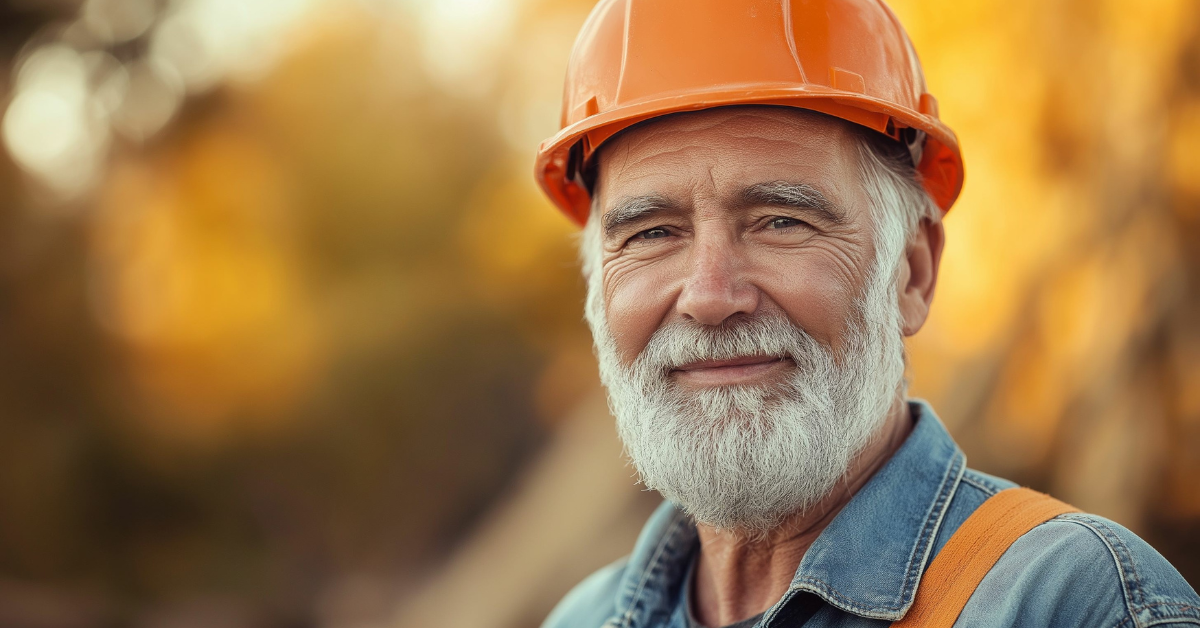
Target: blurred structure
{"x":289,"y":337}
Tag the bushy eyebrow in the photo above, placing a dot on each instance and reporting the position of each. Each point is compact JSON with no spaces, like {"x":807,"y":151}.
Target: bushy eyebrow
{"x":630,"y":209}
{"x":774,"y":193}
{"x":793,"y":195}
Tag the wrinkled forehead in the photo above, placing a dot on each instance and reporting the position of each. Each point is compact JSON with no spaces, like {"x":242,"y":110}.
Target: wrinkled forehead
{"x":727,"y":146}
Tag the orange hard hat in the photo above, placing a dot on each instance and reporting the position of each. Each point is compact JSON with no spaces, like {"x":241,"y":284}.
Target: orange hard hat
{"x":639,"y":59}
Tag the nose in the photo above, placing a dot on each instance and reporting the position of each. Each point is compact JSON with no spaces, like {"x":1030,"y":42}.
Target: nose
{"x":715,"y":287}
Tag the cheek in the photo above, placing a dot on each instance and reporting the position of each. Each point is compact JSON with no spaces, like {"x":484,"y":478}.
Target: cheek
{"x":637,"y":301}
{"x":814,"y":294}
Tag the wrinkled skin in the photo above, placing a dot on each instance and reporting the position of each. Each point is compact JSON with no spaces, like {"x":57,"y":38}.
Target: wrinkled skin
{"x":704,"y":250}
{"x":709,"y":256}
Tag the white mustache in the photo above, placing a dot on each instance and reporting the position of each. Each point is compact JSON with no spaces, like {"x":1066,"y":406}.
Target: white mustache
{"x":685,"y":342}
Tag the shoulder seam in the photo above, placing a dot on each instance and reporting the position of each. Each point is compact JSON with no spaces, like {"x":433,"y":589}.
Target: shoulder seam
{"x":1165,"y":620}
{"x":1119,"y":564}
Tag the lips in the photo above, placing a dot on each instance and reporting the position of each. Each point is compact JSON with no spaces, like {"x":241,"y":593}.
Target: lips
{"x":750,"y":360}
{"x":752,"y":370}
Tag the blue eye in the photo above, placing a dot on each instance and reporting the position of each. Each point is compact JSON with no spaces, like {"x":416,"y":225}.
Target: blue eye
{"x":783,"y":223}
{"x":653,"y":234}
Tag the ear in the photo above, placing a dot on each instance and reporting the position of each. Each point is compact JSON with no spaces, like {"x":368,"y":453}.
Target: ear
{"x":918,"y":276}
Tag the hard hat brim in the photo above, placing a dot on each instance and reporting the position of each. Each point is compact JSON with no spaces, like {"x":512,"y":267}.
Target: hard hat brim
{"x":941,"y":166}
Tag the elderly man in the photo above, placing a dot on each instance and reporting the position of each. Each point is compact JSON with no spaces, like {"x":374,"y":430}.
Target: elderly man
{"x":762,"y":184}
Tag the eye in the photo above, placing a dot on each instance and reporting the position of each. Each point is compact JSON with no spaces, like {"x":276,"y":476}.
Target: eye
{"x":783,"y":223}
{"x":652,"y":234}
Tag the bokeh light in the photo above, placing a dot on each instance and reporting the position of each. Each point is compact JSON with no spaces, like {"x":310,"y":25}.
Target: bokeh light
{"x":291,"y":337}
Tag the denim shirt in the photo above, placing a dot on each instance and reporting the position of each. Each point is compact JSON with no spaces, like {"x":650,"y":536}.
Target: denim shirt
{"x":865,"y":567}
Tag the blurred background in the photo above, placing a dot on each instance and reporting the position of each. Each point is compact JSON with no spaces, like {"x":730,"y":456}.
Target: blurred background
{"x":289,"y":338}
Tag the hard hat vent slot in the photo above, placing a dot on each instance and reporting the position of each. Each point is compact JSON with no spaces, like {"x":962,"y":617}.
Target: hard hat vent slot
{"x":847,"y":81}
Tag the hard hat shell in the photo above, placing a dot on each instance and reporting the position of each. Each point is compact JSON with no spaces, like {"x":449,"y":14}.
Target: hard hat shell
{"x":639,"y":59}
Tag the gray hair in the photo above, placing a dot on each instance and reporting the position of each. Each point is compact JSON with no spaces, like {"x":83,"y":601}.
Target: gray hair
{"x":899,"y":202}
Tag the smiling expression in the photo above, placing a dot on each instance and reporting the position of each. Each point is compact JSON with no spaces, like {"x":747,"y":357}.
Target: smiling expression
{"x":733,"y":211}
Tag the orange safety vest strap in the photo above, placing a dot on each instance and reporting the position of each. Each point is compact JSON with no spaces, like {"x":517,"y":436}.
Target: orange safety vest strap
{"x":972,"y":551}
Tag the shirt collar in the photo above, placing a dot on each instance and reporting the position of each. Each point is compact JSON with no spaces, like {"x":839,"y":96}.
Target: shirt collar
{"x":866,"y":562}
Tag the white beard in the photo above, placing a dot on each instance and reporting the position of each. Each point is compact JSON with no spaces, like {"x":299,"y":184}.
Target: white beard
{"x":745,"y":457}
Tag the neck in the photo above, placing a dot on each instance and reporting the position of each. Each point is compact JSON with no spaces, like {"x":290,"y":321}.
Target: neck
{"x":739,"y":576}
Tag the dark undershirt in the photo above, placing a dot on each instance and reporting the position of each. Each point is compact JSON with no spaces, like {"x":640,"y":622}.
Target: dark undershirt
{"x":794,"y":615}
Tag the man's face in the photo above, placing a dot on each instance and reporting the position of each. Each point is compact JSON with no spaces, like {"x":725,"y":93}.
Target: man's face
{"x":733,"y":211}
{"x":747,"y":333}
